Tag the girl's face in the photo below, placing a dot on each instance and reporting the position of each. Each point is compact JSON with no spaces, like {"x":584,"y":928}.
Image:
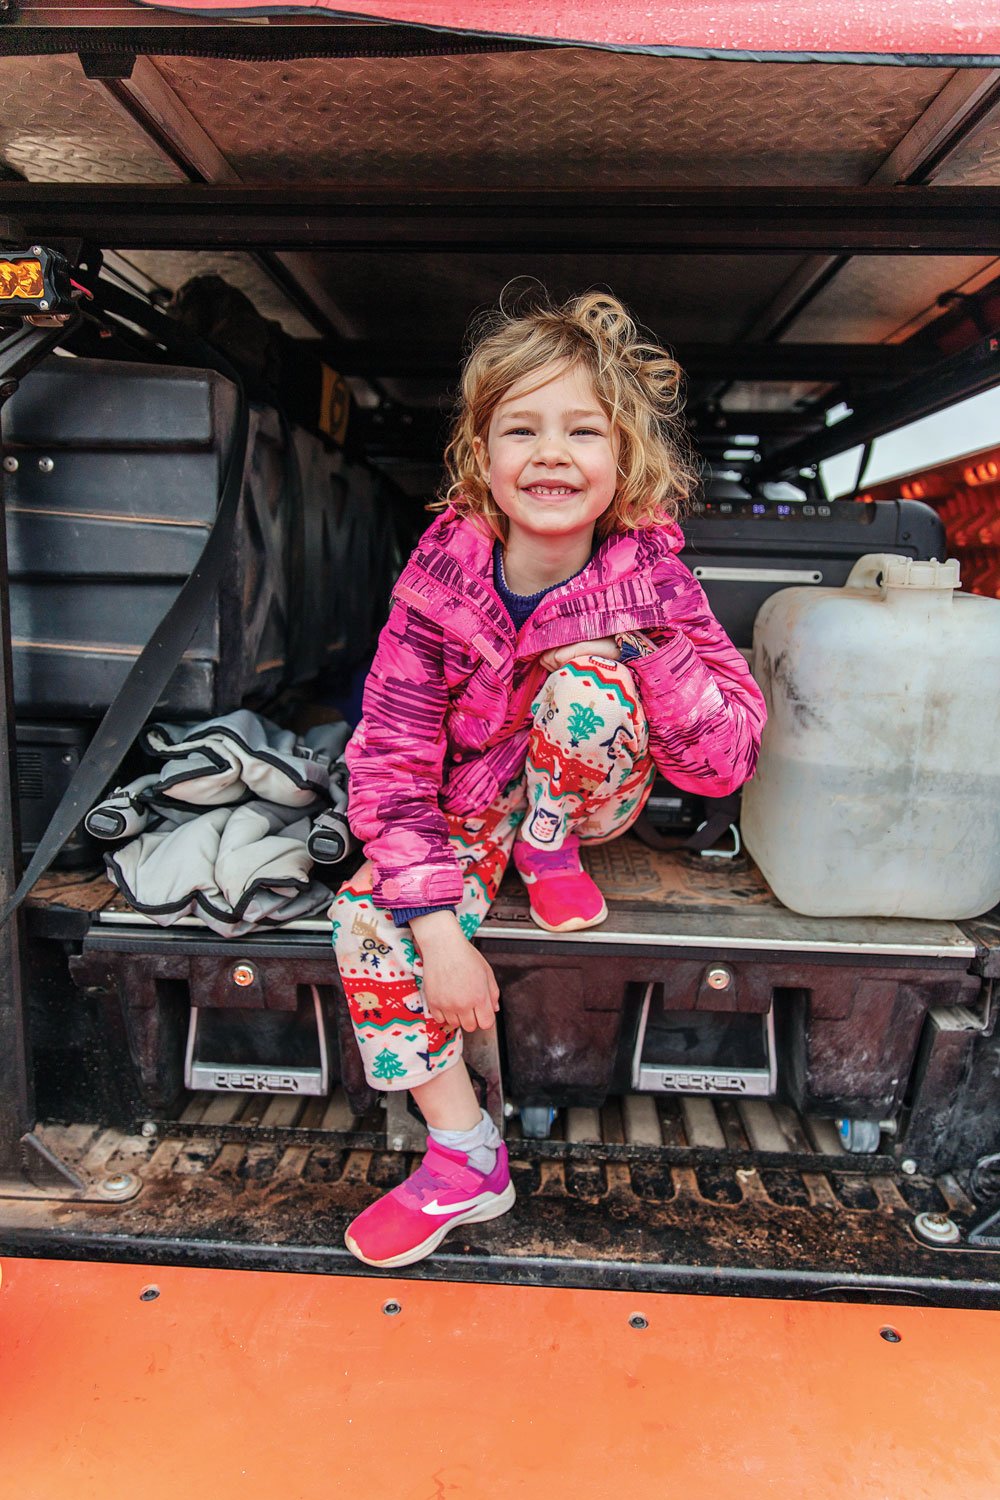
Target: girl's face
{"x":550,"y":456}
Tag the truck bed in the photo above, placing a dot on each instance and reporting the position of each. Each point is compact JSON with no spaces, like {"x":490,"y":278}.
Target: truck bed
{"x":652,"y":1191}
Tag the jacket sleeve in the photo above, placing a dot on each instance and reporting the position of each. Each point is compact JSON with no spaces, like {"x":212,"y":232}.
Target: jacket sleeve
{"x":705,"y":711}
{"x":395,"y":761}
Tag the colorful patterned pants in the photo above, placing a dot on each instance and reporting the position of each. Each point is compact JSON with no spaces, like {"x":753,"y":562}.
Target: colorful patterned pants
{"x":588,"y":772}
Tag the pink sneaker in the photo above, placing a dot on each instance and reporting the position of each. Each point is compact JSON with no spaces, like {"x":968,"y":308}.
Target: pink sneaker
{"x":561,"y":894}
{"x":414,"y":1218}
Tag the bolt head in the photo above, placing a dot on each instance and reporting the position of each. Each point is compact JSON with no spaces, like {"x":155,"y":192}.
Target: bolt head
{"x":36,"y":249}
{"x":10,"y":464}
{"x":148,"y":1128}
{"x":397,"y":1143}
{"x":44,"y":305}
{"x":46,"y":465}
{"x":719,"y":977}
{"x":937,"y":1229}
{"x":243,"y":974}
{"x":118,"y":1185}
{"x":909,"y":1166}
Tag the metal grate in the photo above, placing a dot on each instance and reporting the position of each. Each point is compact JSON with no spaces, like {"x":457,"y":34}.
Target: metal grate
{"x":274,"y":1191}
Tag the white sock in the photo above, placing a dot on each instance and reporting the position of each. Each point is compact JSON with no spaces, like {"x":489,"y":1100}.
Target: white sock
{"x":479,"y":1144}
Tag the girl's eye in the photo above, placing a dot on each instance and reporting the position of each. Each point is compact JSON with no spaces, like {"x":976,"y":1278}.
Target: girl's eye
{"x":587,"y":432}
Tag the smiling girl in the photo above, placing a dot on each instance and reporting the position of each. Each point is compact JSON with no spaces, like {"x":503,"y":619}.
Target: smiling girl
{"x":546,"y":653}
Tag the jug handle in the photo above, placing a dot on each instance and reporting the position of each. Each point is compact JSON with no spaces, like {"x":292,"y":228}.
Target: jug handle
{"x":868,"y":569}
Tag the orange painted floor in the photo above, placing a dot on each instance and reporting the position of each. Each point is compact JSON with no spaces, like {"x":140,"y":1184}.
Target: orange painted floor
{"x":291,"y":1387}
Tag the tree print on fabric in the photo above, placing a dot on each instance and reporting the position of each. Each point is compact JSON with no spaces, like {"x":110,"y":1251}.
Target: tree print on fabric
{"x":583,"y":723}
{"x":469,"y":923}
{"x":387,"y":1065}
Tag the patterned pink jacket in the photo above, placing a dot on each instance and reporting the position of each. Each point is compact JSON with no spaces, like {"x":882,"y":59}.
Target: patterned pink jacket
{"x":447,"y":704}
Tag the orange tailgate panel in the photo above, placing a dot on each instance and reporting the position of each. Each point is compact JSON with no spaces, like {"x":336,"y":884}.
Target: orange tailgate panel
{"x":295,"y":1387}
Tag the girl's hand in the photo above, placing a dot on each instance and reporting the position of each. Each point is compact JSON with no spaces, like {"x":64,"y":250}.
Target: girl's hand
{"x":459,"y":986}
{"x":608,"y":647}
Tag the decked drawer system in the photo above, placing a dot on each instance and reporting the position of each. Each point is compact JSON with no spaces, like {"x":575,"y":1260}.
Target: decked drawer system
{"x":698,"y":983}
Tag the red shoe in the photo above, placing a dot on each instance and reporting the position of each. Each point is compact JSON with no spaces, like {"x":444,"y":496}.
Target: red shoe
{"x":561,"y":895}
{"x":414,"y":1218}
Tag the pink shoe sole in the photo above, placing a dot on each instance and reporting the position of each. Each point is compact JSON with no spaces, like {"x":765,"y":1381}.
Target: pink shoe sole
{"x":494,"y":1206}
{"x":571,"y":924}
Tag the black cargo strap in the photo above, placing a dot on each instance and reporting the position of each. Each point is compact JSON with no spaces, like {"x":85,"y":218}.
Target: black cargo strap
{"x":142,"y":688}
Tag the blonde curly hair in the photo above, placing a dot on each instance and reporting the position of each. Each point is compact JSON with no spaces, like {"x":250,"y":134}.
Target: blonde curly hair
{"x":637,"y":383}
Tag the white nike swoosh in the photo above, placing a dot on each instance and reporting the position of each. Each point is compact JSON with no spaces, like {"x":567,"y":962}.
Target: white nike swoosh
{"x":434,"y":1207}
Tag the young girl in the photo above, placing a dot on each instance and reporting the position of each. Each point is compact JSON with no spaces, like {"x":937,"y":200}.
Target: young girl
{"x":545,"y":654}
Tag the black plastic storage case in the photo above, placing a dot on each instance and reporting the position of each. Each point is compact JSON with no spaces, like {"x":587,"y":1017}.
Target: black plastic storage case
{"x":744,"y":550}
{"x":112,"y":480}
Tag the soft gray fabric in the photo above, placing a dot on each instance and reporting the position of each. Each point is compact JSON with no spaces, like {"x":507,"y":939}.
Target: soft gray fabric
{"x":236,"y":868}
{"x":224,"y":759}
{"x":223,"y":825}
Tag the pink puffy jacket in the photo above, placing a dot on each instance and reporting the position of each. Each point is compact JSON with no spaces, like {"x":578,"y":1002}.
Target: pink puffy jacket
{"x":447,"y":704}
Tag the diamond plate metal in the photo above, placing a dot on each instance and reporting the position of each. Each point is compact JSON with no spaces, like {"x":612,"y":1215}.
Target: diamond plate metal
{"x":58,"y":126}
{"x":573,"y":117}
{"x":871,"y":301}
{"x":977,"y":161}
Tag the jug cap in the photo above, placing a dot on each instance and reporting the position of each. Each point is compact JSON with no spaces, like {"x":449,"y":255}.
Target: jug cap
{"x":910,"y":573}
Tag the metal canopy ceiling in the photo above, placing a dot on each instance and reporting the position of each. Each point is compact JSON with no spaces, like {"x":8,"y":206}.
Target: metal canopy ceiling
{"x":570,"y":117}
{"x":577,"y":167}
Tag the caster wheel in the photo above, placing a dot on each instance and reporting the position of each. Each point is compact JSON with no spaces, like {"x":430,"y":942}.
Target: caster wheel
{"x":859,"y":1136}
{"x":536,"y":1121}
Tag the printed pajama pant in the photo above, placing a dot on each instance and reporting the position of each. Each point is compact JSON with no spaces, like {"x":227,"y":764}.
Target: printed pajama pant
{"x":587,"y":772}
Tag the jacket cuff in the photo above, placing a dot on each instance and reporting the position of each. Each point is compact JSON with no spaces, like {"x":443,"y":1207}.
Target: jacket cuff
{"x":671,"y":657}
{"x":411,"y":886}
{"x":402,"y":916}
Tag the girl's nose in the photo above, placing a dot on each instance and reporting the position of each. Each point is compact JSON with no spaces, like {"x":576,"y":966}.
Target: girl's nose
{"x":550,"y":449}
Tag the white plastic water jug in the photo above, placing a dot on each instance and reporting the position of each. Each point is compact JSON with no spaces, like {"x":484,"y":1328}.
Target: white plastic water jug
{"x":878,"y":787}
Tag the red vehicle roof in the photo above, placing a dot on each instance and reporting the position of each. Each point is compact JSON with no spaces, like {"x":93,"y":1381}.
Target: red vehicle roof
{"x":875,"y":28}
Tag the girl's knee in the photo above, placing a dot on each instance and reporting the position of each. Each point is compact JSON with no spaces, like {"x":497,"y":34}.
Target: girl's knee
{"x":584,"y":689}
{"x":595,"y":671}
